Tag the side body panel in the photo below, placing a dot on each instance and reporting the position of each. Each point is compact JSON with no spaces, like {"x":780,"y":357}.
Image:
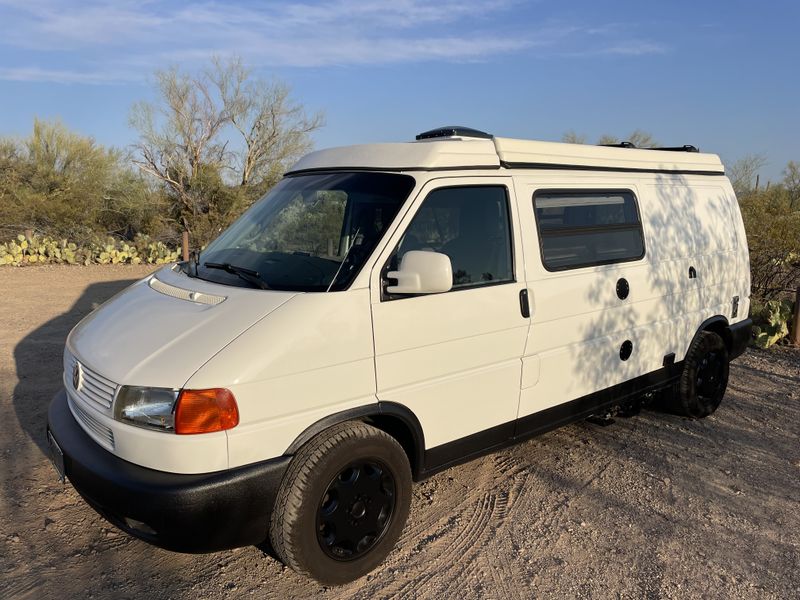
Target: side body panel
{"x":454,"y":358}
{"x":579,"y":323}
{"x":312,"y":357}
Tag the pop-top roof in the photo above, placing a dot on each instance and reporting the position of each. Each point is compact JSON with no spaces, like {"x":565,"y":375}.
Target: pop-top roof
{"x":450,"y":148}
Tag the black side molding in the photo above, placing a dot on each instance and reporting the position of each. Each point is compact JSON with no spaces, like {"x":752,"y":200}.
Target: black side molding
{"x":475,"y":445}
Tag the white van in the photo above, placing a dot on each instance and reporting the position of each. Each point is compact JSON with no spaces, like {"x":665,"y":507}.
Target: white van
{"x":390,"y":310}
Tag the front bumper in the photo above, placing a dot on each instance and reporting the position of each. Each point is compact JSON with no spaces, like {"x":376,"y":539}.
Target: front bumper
{"x":184,"y":513}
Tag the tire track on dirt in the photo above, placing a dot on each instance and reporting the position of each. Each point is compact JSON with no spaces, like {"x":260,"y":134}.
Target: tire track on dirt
{"x":455,"y":547}
{"x":493,"y":487}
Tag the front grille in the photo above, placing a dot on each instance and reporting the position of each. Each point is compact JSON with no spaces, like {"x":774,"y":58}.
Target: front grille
{"x":102,"y":434}
{"x":92,"y":387}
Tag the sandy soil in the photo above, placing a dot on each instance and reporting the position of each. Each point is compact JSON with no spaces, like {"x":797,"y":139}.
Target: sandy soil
{"x":652,"y":507}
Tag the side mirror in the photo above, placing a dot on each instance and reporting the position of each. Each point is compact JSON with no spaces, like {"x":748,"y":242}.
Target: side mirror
{"x":422,"y":272}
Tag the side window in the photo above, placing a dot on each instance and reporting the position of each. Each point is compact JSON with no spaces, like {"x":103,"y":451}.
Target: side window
{"x":581,"y":229}
{"x":469,"y":224}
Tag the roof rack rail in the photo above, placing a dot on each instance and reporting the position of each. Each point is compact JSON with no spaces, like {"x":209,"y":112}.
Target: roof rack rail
{"x":684,"y":148}
{"x":619,"y":145}
{"x":454,"y":131}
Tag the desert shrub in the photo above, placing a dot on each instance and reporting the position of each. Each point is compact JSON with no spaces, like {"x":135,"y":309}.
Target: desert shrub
{"x":772,"y":224}
{"x":65,"y":185}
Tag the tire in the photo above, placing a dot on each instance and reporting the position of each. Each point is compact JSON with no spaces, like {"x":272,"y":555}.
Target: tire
{"x":705,"y":376}
{"x":342,"y":504}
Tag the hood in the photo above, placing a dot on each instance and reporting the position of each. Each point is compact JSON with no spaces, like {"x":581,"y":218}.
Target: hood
{"x":160,"y":330}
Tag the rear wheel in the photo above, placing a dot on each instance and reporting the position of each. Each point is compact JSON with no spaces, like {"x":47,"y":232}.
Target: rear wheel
{"x":343,"y":502}
{"x":705,"y":376}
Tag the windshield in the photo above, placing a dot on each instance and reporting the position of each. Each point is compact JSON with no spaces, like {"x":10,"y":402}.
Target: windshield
{"x":310,"y":233}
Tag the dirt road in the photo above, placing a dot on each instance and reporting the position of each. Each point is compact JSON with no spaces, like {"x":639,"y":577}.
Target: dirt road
{"x":652,"y":507}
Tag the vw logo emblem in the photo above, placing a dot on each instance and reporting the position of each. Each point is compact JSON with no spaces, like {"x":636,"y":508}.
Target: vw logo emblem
{"x":76,"y":376}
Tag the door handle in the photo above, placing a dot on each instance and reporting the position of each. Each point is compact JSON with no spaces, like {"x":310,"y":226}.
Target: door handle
{"x":524,"y":305}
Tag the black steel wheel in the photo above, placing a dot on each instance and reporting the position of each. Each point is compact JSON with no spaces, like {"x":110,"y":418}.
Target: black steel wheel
{"x":705,"y":376}
{"x":356,"y":509}
{"x":342,"y":504}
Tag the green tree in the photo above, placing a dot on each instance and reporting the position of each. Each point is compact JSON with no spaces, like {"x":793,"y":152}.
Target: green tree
{"x":63,"y":184}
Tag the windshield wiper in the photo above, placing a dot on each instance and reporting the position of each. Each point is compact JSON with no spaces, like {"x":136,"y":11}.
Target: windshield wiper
{"x":248,"y":275}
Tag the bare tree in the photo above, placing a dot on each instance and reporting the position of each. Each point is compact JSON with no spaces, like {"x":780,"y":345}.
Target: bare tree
{"x":571,"y":137}
{"x":642,"y":139}
{"x":639,"y":138}
{"x":744,"y":171}
{"x":179,"y":135}
{"x":606,"y":139}
{"x":274,"y":129}
{"x":216,"y":139}
{"x":791,"y":181}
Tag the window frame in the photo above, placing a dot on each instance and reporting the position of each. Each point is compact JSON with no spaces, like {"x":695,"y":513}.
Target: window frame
{"x":384,"y":281}
{"x":589,"y":228}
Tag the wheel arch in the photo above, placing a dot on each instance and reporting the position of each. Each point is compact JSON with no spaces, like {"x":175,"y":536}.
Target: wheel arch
{"x":717,"y":324}
{"x":390,"y":417}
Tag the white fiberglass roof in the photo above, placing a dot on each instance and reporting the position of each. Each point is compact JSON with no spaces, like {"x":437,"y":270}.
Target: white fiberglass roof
{"x":494,"y":153}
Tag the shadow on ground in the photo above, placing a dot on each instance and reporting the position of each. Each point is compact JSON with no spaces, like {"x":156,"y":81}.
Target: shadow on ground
{"x":39,"y":359}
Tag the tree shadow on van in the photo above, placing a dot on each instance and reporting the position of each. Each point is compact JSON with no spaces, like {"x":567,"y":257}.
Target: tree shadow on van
{"x":688,"y":274}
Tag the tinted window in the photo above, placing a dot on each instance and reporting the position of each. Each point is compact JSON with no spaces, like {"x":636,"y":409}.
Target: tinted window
{"x":580,"y":229}
{"x":471,"y":226}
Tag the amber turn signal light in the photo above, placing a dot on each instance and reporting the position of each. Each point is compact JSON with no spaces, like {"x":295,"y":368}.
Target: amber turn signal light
{"x":204,"y":411}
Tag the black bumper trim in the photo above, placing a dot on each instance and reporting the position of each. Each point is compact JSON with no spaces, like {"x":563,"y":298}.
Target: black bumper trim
{"x":183,"y":513}
{"x":741,"y":334}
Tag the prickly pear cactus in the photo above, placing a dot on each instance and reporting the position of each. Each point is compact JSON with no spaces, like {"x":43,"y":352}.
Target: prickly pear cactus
{"x":46,"y":250}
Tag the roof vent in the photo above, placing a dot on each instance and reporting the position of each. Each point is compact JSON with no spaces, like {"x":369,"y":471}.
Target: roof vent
{"x":454,"y":131}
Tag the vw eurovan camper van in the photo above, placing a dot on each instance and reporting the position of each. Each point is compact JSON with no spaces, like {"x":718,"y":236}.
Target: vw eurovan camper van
{"x":390,"y":310}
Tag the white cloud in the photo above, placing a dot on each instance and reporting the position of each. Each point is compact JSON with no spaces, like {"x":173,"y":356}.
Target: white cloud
{"x":635,"y":48}
{"x":98,"y":38}
{"x":37,"y":74}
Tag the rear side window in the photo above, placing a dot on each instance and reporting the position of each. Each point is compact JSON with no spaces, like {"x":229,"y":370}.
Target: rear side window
{"x":582,"y":229}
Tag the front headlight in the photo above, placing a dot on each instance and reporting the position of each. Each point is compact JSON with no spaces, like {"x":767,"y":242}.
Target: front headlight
{"x":153,"y":408}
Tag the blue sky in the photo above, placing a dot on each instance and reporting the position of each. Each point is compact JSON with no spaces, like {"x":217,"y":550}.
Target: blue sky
{"x":720,"y":75}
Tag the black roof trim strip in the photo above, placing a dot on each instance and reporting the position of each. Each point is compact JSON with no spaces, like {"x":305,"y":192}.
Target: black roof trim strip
{"x":393,"y":169}
{"x":684,"y":148}
{"x":568,"y":167}
{"x":629,"y":145}
{"x":506,"y":165}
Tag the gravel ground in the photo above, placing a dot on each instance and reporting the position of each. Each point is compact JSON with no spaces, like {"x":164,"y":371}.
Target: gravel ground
{"x":652,"y":507}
